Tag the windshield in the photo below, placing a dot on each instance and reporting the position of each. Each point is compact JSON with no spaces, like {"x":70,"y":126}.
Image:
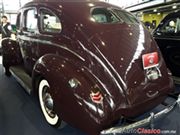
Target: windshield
{"x":105,"y":15}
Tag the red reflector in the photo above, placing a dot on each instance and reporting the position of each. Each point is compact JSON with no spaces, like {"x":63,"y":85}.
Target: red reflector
{"x":150,"y":60}
{"x":96,"y":97}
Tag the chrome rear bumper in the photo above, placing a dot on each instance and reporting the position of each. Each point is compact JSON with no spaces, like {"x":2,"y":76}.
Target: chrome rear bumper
{"x":144,"y":122}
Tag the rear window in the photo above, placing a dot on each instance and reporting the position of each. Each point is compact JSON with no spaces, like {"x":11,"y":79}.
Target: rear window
{"x":105,"y":15}
{"x":125,"y":16}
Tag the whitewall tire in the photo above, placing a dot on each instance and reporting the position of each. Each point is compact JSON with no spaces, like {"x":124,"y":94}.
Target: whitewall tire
{"x":46,"y":103}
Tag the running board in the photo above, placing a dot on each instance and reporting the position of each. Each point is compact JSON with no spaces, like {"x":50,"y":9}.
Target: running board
{"x":22,"y":77}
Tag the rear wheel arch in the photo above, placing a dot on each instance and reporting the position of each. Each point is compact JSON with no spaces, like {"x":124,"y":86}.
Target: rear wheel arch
{"x":40,"y":71}
{"x":37,"y":93}
{"x":35,"y":82}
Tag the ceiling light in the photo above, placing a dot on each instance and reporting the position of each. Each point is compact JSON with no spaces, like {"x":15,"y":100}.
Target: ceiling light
{"x":174,"y":7}
{"x":155,"y":10}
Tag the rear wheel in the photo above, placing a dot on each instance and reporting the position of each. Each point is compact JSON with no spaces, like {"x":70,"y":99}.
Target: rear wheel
{"x":47,"y":104}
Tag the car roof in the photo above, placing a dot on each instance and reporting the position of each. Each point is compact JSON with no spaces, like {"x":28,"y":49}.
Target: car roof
{"x":77,"y":11}
{"x":73,"y":8}
{"x":68,"y":2}
{"x":72,"y":5}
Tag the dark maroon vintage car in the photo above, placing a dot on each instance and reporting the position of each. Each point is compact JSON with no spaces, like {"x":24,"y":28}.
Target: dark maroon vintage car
{"x":89,"y":63}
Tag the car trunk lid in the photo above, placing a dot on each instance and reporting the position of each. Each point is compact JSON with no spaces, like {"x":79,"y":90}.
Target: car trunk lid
{"x":122,"y":49}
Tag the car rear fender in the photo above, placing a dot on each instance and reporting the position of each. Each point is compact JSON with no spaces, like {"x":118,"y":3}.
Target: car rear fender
{"x":58,"y":71}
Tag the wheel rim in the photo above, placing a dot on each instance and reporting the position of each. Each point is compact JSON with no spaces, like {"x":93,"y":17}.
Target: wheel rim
{"x":47,"y":103}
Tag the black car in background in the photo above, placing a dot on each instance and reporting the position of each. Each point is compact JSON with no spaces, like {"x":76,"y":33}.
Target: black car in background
{"x":167,"y":36}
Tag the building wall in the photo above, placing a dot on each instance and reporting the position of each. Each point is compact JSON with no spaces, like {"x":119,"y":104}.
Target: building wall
{"x":151,"y":17}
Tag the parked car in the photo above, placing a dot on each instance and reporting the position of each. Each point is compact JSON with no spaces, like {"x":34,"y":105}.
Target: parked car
{"x":89,"y":63}
{"x":167,"y":36}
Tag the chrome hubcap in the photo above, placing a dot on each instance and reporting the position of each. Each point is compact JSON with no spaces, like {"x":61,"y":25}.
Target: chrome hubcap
{"x":48,"y":102}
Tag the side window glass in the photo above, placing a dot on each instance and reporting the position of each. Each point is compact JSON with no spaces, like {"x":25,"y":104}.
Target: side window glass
{"x":103,"y":15}
{"x":18,"y":21}
{"x":110,"y":16}
{"x":172,"y":26}
{"x":30,"y":20}
{"x":177,"y":30}
{"x":126,"y":17}
{"x":50,"y":22}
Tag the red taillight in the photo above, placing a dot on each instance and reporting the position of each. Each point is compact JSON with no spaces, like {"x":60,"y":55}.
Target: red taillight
{"x":150,"y":60}
{"x":96,"y":97}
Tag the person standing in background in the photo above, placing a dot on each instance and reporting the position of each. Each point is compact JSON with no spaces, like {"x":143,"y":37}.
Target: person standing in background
{"x":5,"y":28}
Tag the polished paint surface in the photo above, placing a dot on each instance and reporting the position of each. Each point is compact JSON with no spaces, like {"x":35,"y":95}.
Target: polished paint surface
{"x":105,"y":59}
{"x":20,"y":114}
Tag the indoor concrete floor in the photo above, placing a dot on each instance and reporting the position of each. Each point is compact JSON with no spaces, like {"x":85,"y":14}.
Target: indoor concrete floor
{"x":20,"y":113}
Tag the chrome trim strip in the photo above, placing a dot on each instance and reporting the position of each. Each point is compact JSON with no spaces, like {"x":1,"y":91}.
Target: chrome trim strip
{"x":120,"y":78}
{"x":144,"y":122}
{"x":111,"y":102}
{"x":103,"y":65}
{"x":152,"y":95}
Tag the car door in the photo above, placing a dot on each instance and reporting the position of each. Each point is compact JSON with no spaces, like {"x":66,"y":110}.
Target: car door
{"x":167,"y":36}
{"x":27,"y":37}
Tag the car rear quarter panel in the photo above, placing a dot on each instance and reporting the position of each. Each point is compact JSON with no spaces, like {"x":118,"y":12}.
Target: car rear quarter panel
{"x":73,"y":105}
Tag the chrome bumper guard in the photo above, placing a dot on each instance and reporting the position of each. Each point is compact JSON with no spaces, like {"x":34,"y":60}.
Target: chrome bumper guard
{"x":144,"y":122}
